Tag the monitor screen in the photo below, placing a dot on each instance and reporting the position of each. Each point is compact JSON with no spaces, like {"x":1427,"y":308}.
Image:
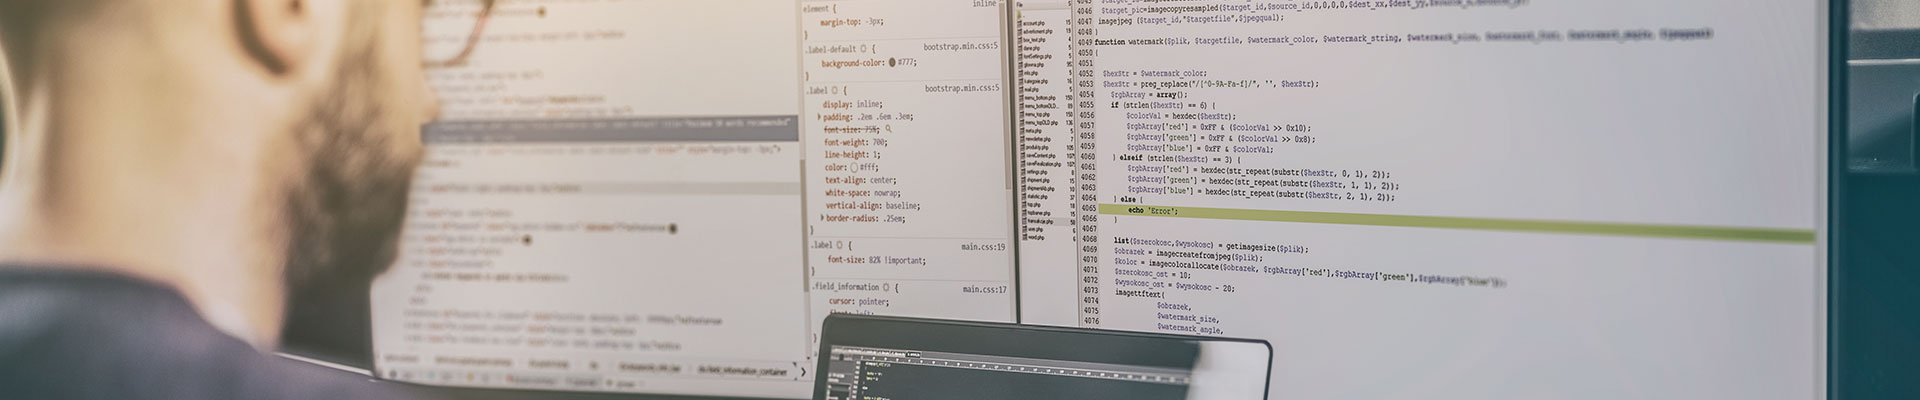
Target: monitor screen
{"x":1407,"y":198}
{"x":865,"y":373}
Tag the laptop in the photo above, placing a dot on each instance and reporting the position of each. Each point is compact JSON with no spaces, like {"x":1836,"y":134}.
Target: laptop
{"x":871,"y":357}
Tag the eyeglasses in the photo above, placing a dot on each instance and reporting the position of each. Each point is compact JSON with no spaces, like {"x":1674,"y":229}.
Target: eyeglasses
{"x":451,"y":29}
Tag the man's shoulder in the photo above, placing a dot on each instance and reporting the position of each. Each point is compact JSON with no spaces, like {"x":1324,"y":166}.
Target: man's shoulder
{"x":77,"y":334}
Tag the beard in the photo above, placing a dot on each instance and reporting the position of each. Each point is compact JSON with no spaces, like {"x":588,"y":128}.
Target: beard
{"x":346,"y":201}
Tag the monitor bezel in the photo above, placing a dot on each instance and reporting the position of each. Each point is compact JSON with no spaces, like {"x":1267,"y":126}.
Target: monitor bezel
{"x":1839,"y":15}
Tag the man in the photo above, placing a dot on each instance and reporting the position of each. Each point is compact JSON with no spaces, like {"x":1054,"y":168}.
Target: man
{"x":174,"y":168}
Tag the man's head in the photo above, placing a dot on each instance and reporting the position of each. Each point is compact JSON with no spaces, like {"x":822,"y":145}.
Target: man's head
{"x":271,"y":141}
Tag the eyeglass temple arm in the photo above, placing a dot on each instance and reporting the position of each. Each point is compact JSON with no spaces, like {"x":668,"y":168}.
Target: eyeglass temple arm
{"x":473,"y":38}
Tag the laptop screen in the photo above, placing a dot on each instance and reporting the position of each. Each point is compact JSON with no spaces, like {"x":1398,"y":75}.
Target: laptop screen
{"x":868,"y":373}
{"x":904,"y":358}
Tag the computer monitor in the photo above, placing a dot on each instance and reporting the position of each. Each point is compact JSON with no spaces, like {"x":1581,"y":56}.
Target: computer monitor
{"x":1443,"y":199}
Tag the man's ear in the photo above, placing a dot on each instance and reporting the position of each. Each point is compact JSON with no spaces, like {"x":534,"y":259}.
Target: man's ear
{"x":279,"y":34}
{"x":7,"y":131}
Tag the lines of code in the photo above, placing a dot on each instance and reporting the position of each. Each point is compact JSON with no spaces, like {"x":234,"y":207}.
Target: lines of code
{"x":599,"y":212}
{"x":1516,"y":181}
{"x":908,"y":197}
{"x":540,"y":272}
{"x":1174,"y":272}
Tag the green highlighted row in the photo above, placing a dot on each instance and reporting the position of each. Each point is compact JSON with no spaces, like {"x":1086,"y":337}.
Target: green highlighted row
{"x":1800,"y":236}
